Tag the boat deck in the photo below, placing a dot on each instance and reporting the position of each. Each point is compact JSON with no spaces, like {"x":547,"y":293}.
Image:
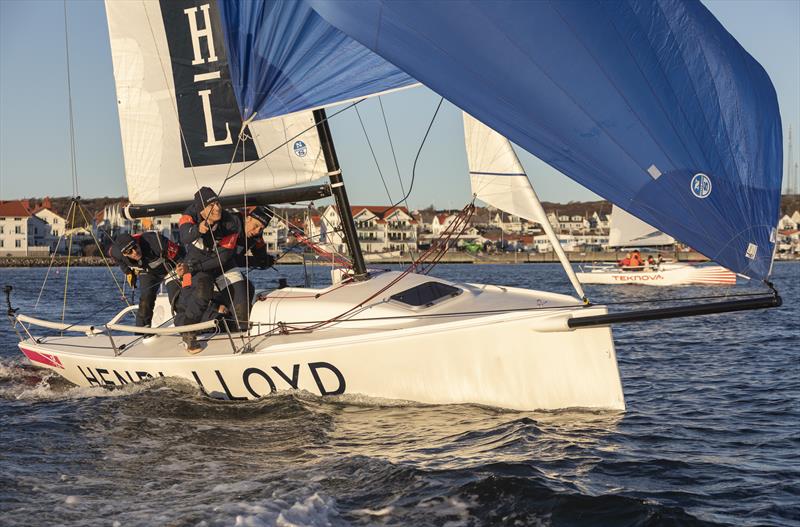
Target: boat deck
{"x":475,"y":304}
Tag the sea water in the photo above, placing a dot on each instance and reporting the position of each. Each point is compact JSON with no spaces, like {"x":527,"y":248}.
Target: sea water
{"x":711,"y":434}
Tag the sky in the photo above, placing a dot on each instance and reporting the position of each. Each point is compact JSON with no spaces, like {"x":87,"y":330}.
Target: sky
{"x":34,"y":124}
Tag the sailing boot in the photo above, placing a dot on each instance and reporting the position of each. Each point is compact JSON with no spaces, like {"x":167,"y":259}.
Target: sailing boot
{"x":190,"y":341}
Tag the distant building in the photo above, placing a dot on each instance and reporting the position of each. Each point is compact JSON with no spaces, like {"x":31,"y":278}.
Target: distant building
{"x":168,"y":226}
{"x":507,"y":222}
{"x":22,"y":233}
{"x":788,"y":222}
{"x":599,"y":221}
{"x":111,"y":220}
{"x":379,"y":229}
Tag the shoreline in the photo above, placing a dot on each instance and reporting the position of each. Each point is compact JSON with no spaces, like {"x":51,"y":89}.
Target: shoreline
{"x":372,"y":259}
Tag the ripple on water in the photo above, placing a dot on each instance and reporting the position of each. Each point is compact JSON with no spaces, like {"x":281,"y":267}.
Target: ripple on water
{"x":710,"y":435}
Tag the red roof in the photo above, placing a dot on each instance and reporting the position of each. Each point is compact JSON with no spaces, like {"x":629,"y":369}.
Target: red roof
{"x":13,"y":209}
{"x":524,"y":238}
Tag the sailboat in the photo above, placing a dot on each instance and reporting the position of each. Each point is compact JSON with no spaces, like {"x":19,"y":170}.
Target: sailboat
{"x":628,"y":231}
{"x":234,"y":95}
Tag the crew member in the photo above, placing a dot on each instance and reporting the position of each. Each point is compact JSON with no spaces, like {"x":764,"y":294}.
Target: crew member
{"x":149,"y":259}
{"x":209,"y":235}
{"x":251,"y":252}
{"x":636,"y":261}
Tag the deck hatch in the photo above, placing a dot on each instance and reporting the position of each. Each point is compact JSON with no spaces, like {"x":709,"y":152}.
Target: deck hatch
{"x":426,"y":294}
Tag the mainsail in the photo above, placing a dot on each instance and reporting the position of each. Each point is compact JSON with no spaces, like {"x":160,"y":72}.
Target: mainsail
{"x":194,"y":103}
{"x":650,"y":104}
{"x":626,"y":230}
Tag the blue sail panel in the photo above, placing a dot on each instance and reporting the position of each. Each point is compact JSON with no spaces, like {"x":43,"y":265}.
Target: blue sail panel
{"x":652,"y":105}
{"x":285,"y":58}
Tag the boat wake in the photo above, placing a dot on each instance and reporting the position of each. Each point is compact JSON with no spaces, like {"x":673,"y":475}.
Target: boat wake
{"x":21,"y":381}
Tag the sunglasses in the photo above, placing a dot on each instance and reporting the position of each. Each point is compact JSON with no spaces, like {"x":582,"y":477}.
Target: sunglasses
{"x":130,"y":249}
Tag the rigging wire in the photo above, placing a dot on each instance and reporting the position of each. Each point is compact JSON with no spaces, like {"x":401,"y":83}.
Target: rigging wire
{"x":419,"y":151}
{"x":102,"y":254}
{"x":73,"y":161}
{"x":327,"y":118}
{"x":391,"y":146}
{"x":374,"y":157}
{"x":69,"y":257}
{"x":52,"y":259}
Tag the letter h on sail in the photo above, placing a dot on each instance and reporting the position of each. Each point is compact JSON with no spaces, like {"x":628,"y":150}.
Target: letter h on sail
{"x":205,"y":95}
{"x":207,"y":109}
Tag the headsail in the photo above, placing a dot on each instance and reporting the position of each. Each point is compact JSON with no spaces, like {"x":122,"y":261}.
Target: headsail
{"x":653,"y":105}
{"x":498,"y":179}
{"x":626,"y":230}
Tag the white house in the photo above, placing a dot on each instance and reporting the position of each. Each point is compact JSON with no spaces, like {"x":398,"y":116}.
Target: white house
{"x":542,"y":244}
{"x":379,"y":229}
{"x":787,"y":222}
{"x":507,"y":222}
{"x":22,"y":233}
{"x":599,"y":221}
{"x":441,"y":222}
{"x":54,"y":226}
{"x":112,"y":220}
{"x":572,"y":224}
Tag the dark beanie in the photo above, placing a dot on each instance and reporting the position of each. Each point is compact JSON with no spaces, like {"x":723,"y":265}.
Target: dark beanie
{"x":262,"y":214}
{"x":124,"y":242}
{"x":204,"y":197}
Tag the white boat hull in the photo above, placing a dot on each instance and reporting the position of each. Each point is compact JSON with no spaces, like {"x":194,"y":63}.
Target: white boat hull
{"x":668,"y":276}
{"x":522,"y":360}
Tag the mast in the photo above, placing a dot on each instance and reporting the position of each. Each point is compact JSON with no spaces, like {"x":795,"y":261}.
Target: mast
{"x":340,"y":194}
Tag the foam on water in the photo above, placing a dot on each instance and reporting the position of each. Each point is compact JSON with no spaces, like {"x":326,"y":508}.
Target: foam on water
{"x":22,"y":382}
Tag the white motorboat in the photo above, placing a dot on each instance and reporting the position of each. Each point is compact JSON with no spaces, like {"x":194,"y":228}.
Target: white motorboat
{"x":666,"y":274}
{"x":629,"y":232}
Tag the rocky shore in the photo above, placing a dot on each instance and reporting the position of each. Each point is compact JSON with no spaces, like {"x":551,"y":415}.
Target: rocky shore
{"x":44,"y":261}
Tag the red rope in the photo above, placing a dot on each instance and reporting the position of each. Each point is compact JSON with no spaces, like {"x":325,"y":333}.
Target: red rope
{"x":340,"y":260}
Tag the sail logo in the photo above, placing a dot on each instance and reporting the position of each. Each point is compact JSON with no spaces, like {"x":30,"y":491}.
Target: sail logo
{"x":208,"y":113}
{"x":300,"y":149}
{"x":701,"y":185}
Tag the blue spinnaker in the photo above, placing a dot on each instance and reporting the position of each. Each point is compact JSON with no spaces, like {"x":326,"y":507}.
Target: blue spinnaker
{"x":285,"y":58}
{"x":652,"y":105}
